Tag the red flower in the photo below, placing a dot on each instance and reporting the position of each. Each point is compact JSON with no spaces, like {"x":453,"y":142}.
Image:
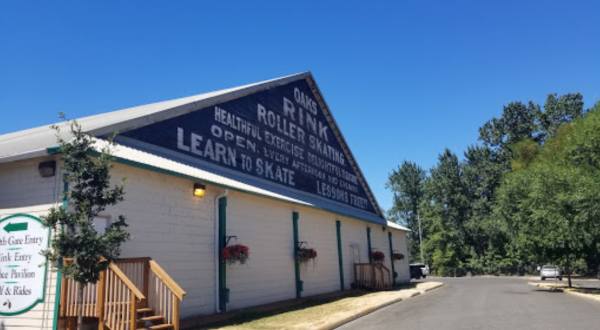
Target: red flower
{"x":235,"y":253}
{"x":377,"y":256}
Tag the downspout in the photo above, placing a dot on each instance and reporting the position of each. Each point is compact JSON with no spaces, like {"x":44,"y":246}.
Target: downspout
{"x":369,"y":244}
{"x":394,"y":274}
{"x":299,"y":284}
{"x":217,"y":264}
{"x":338,"y":225}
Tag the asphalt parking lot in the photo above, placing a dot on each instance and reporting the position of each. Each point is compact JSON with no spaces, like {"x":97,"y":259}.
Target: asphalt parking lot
{"x":487,"y":303}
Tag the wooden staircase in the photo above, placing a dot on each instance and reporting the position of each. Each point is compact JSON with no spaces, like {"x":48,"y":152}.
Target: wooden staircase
{"x":148,"y":321}
{"x":374,"y":276}
{"x":135,"y":293}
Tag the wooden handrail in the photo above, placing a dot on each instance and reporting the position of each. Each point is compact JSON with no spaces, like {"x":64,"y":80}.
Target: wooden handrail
{"x":163,"y":276}
{"x":375,"y":276}
{"x":123,"y":277}
{"x":127,"y":282}
{"x":124,"y":288}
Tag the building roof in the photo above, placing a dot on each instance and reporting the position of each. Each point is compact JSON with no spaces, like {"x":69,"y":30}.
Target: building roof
{"x":36,"y":141}
{"x":397,"y":226}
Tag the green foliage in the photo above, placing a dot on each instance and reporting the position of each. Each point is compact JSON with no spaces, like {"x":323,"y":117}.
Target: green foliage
{"x":527,"y":195}
{"x":407,"y":185}
{"x":518,"y":122}
{"x":446,"y":210}
{"x":88,"y":195}
{"x":559,"y":111}
{"x":552,"y":205}
{"x":524,"y":153}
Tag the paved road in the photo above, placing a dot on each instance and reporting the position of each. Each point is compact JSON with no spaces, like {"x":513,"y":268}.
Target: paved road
{"x":485,"y":303}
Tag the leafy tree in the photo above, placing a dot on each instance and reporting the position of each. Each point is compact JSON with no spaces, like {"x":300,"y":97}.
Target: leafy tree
{"x":407,"y":185}
{"x":552,"y":202}
{"x":518,"y":121}
{"x":479,"y":212}
{"x":560,"y":110}
{"x":89,"y":194}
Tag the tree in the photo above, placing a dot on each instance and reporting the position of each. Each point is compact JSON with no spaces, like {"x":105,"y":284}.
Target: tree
{"x":518,"y":122}
{"x":482,"y":171}
{"x":89,"y":194}
{"x":407,"y":185}
{"x":468,"y":219}
{"x":560,"y":110}
{"x":446,"y":211}
{"x":551,"y":201}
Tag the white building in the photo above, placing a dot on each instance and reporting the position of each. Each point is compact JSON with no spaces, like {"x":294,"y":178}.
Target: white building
{"x":274,"y":165}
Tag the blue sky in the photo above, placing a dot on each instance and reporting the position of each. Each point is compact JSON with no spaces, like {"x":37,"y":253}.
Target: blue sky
{"x":404,"y":79}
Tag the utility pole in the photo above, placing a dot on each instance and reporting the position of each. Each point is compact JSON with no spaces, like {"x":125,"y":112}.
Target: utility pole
{"x":420,"y":237}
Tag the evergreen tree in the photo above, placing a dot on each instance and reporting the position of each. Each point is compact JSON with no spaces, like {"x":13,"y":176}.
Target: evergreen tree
{"x":407,"y":185}
{"x":446,"y":211}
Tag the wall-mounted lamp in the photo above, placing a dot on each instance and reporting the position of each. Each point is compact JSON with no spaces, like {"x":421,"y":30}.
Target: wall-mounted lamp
{"x":199,"y":189}
{"x":47,"y":169}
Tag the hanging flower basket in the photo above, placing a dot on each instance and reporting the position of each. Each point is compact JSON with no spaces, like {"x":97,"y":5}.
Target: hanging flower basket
{"x":398,"y":256}
{"x":306,"y":254}
{"x":377,"y":256}
{"x":235,"y":253}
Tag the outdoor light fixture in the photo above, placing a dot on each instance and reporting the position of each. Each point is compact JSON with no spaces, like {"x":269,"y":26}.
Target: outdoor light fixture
{"x":47,"y":169}
{"x":199,"y":189}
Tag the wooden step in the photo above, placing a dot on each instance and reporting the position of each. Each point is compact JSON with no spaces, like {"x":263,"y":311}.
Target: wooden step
{"x":152,"y":319}
{"x":145,"y":310}
{"x":157,"y":327}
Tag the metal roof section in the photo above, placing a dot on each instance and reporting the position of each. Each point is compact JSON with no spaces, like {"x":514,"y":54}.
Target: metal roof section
{"x":34,"y":142}
{"x":397,"y":226}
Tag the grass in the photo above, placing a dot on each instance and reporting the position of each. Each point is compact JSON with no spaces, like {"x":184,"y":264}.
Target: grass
{"x":272,"y":319}
{"x":312,"y":313}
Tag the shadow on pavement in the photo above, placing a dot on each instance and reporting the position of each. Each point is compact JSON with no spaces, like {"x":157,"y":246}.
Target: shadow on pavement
{"x":548,"y":290}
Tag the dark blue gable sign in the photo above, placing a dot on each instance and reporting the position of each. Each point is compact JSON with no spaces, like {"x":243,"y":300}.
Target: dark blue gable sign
{"x":280,"y":135}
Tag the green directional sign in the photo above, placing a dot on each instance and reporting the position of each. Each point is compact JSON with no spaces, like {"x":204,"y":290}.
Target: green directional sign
{"x":15,"y":227}
{"x":22,"y":266}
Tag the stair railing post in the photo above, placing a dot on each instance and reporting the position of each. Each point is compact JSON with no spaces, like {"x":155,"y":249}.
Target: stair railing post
{"x":63,"y":297}
{"x":100,"y":300}
{"x":373,"y":278}
{"x":133,"y":315}
{"x":146,"y":281}
{"x":175,"y":313}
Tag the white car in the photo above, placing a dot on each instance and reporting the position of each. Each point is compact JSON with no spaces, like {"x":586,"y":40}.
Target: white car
{"x":550,"y":271}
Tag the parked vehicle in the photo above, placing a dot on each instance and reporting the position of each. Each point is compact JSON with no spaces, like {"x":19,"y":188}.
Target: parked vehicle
{"x":419,"y":270}
{"x":550,"y":271}
{"x":415,"y":272}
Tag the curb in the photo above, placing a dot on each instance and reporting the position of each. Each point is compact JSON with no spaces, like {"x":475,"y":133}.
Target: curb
{"x":435,"y":287}
{"x":582,"y":295}
{"x":375,"y":308}
{"x":566,"y":290}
